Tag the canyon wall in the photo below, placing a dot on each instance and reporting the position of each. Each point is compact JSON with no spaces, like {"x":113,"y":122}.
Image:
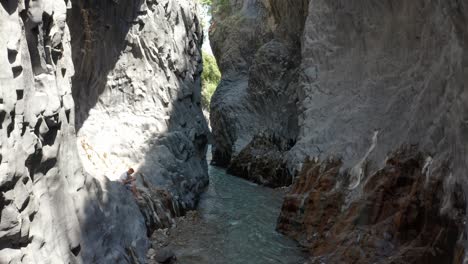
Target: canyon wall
{"x":137,"y":91}
{"x":88,"y":89}
{"x":306,"y":82}
{"x":257,"y":45}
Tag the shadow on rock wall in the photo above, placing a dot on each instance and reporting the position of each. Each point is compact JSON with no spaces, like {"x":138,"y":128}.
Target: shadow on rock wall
{"x":173,"y":173}
{"x":99,"y":30}
{"x":52,"y":211}
{"x":138,"y":66}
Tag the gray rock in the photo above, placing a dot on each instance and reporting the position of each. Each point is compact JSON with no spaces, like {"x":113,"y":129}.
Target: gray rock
{"x":347,"y":79}
{"x":21,"y":195}
{"x":339,"y":90}
{"x":258,"y":90}
{"x":165,"y":256}
{"x":87,"y":90}
{"x":151,"y":253}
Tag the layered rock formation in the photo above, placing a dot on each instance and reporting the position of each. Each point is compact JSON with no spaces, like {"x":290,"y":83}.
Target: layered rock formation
{"x":131,"y":69}
{"x":355,"y":81}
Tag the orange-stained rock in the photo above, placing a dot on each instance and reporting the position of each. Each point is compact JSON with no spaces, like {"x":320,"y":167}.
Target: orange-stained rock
{"x":395,"y":218}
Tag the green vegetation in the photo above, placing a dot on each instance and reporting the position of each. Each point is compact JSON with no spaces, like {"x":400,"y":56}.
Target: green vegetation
{"x":217,"y":6}
{"x":206,"y":2}
{"x":222,"y":7}
{"x":211,"y":77}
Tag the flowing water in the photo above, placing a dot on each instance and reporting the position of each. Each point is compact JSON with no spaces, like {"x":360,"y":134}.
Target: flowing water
{"x":235,"y":224}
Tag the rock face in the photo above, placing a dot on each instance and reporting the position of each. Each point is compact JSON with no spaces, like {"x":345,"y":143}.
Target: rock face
{"x":396,"y":218}
{"x":258,"y":92}
{"x":138,"y":92}
{"x":88,"y":89}
{"x":261,"y":161}
{"x":352,"y":81}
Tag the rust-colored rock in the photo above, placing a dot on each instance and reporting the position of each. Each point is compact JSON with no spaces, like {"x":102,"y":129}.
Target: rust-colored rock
{"x":396,"y":217}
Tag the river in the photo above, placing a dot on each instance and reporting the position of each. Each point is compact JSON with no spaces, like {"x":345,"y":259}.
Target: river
{"x":235,"y":224}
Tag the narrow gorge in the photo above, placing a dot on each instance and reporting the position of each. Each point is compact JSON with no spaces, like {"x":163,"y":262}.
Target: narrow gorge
{"x":345,"y":122}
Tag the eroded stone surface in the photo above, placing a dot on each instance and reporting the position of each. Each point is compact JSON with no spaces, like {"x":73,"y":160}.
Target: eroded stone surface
{"x":261,"y":161}
{"x":257,"y":46}
{"x":398,"y":218}
{"x":138,"y":92}
{"x":341,"y":80}
{"x":131,"y":71}
{"x":345,"y":79}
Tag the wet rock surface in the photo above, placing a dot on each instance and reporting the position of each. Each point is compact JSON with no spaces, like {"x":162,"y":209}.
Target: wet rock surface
{"x":401,"y":215}
{"x":261,"y":161}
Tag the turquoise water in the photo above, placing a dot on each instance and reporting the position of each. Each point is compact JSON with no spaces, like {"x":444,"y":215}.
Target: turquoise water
{"x":236,"y":225}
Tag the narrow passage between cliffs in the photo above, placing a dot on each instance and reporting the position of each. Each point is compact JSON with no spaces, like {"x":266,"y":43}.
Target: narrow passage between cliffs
{"x":235,"y":223}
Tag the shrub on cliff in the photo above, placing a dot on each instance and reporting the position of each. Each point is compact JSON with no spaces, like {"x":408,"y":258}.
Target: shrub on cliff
{"x":206,"y":2}
{"x":210,"y":78}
